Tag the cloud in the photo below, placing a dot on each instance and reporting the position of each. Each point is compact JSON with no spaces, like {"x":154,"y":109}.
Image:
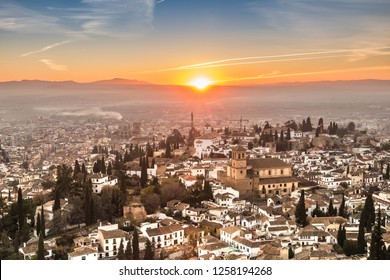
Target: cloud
{"x":16,"y":18}
{"x":117,"y":18}
{"x":113,"y":18}
{"x":94,"y":112}
{"x":277,"y":74}
{"x":53,"y":66}
{"x":326,"y":23}
{"x":352,"y":54}
{"x":45,"y":48}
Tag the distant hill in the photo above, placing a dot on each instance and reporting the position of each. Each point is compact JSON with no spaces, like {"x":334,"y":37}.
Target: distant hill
{"x":39,"y":84}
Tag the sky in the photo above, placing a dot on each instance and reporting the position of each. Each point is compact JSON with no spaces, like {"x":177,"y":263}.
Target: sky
{"x":229,"y":42}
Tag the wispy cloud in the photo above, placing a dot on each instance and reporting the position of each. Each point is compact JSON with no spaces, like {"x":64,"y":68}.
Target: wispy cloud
{"x":353,"y":53}
{"x":53,"y":66}
{"x":17,"y":18}
{"x":310,"y":21}
{"x":278,"y":74}
{"x":45,"y":48}
{"x":114,"y":18}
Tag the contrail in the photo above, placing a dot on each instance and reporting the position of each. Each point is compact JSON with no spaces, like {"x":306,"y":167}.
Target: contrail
{"x":45,"y":48}
{"x":246,"y":60}
{"x":278,"y":74}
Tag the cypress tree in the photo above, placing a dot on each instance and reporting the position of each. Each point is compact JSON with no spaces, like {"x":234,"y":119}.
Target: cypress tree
{"x":41,"y":248}
{"x":368,"y":214}
{"x":300,"y":211}
{"x":290,"y":253}
{"x":342,"y":208}
{"x":109,"y":169}
{"x":38,"y":224}
{"x":168,"y":150}
{"x":341,"y":236}
{"x":129,"y":251}
{"x":121,"y":253}
{"x":361,"y":241}
{"x":288,"y":136}
{"x":135,"y":245}
{"x":149,"y":254}
{"x":95,"y":167}
{"x":42,"y":224}
{"x":318,"y":132}
{"x":83,"y":169}
{"x":144,"y":173}
{"x":377,"y":248}
{"x":57,"y":200}
{"x":331,"y":209}
{"x":153,"y":163}
{"x":103,"y":166}
{"x":77,"y":169}
{"x":88,"y":202}
{"x":21,"y":214}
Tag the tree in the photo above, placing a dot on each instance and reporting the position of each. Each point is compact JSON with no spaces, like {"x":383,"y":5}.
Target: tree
{"x":288,"y":136}
{"x":342,"y":208}
{"x":149,"y":254}
{"x":88,"y":205}
{"x":38,"y":224}
{"x":121,"y":253}
{"x":144,"y":172}
{"x":77,"y":169}
{"x":83,"y":169}
{"x":300,"y":211}
{"x":320,"y":121}
{"x":331,"y":210}
{"x":367,"y":217}
{"x":377,"y":248}
{"x":135,"y":244}
{"x":41,"y":248}
{"x":109,"y":168}
{"x":43,"y":226}
{"x":341,"y":236}
{"x":350,"y":247}
{"x":351,"y":127}
{"x":168,"y":150}
{"x":361,"y":240}
{"x":21,"y":214}
{"x":290,"y":252}
{"x":317,"y":212}
{"x":129,"y":251}
{"x":103,"y":168}
{"x":57,"y":199}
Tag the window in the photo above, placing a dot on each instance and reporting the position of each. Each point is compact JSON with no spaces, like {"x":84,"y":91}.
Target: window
{"x":269,"y":172}
{"x":281,"y":171}
{"x":83,"y":258}
{"x":106,"y":247}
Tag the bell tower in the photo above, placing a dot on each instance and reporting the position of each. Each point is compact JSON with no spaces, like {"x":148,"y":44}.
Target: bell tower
{"x":237,"y":169}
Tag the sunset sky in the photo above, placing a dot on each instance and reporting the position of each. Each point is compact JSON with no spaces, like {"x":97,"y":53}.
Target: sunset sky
{"x":232,"y":42}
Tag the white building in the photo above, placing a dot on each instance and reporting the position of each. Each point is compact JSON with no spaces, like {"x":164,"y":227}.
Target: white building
{"x":110,"y":238}
{"x":99,"y":181}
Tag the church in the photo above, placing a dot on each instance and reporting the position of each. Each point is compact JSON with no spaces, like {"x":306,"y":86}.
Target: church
{"x":264,"y":176}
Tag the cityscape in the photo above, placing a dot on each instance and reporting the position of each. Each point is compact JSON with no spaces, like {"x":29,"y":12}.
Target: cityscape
{"x":271,"y":146}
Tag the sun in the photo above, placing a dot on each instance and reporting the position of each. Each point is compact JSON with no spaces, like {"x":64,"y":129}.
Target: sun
{"x":201,"y":83}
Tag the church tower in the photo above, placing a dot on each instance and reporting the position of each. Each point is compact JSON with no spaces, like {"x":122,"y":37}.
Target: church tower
{"x":237,"y":169}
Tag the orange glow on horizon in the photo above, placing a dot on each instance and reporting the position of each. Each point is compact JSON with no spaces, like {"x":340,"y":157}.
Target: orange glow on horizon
{"x":201,"y":83}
